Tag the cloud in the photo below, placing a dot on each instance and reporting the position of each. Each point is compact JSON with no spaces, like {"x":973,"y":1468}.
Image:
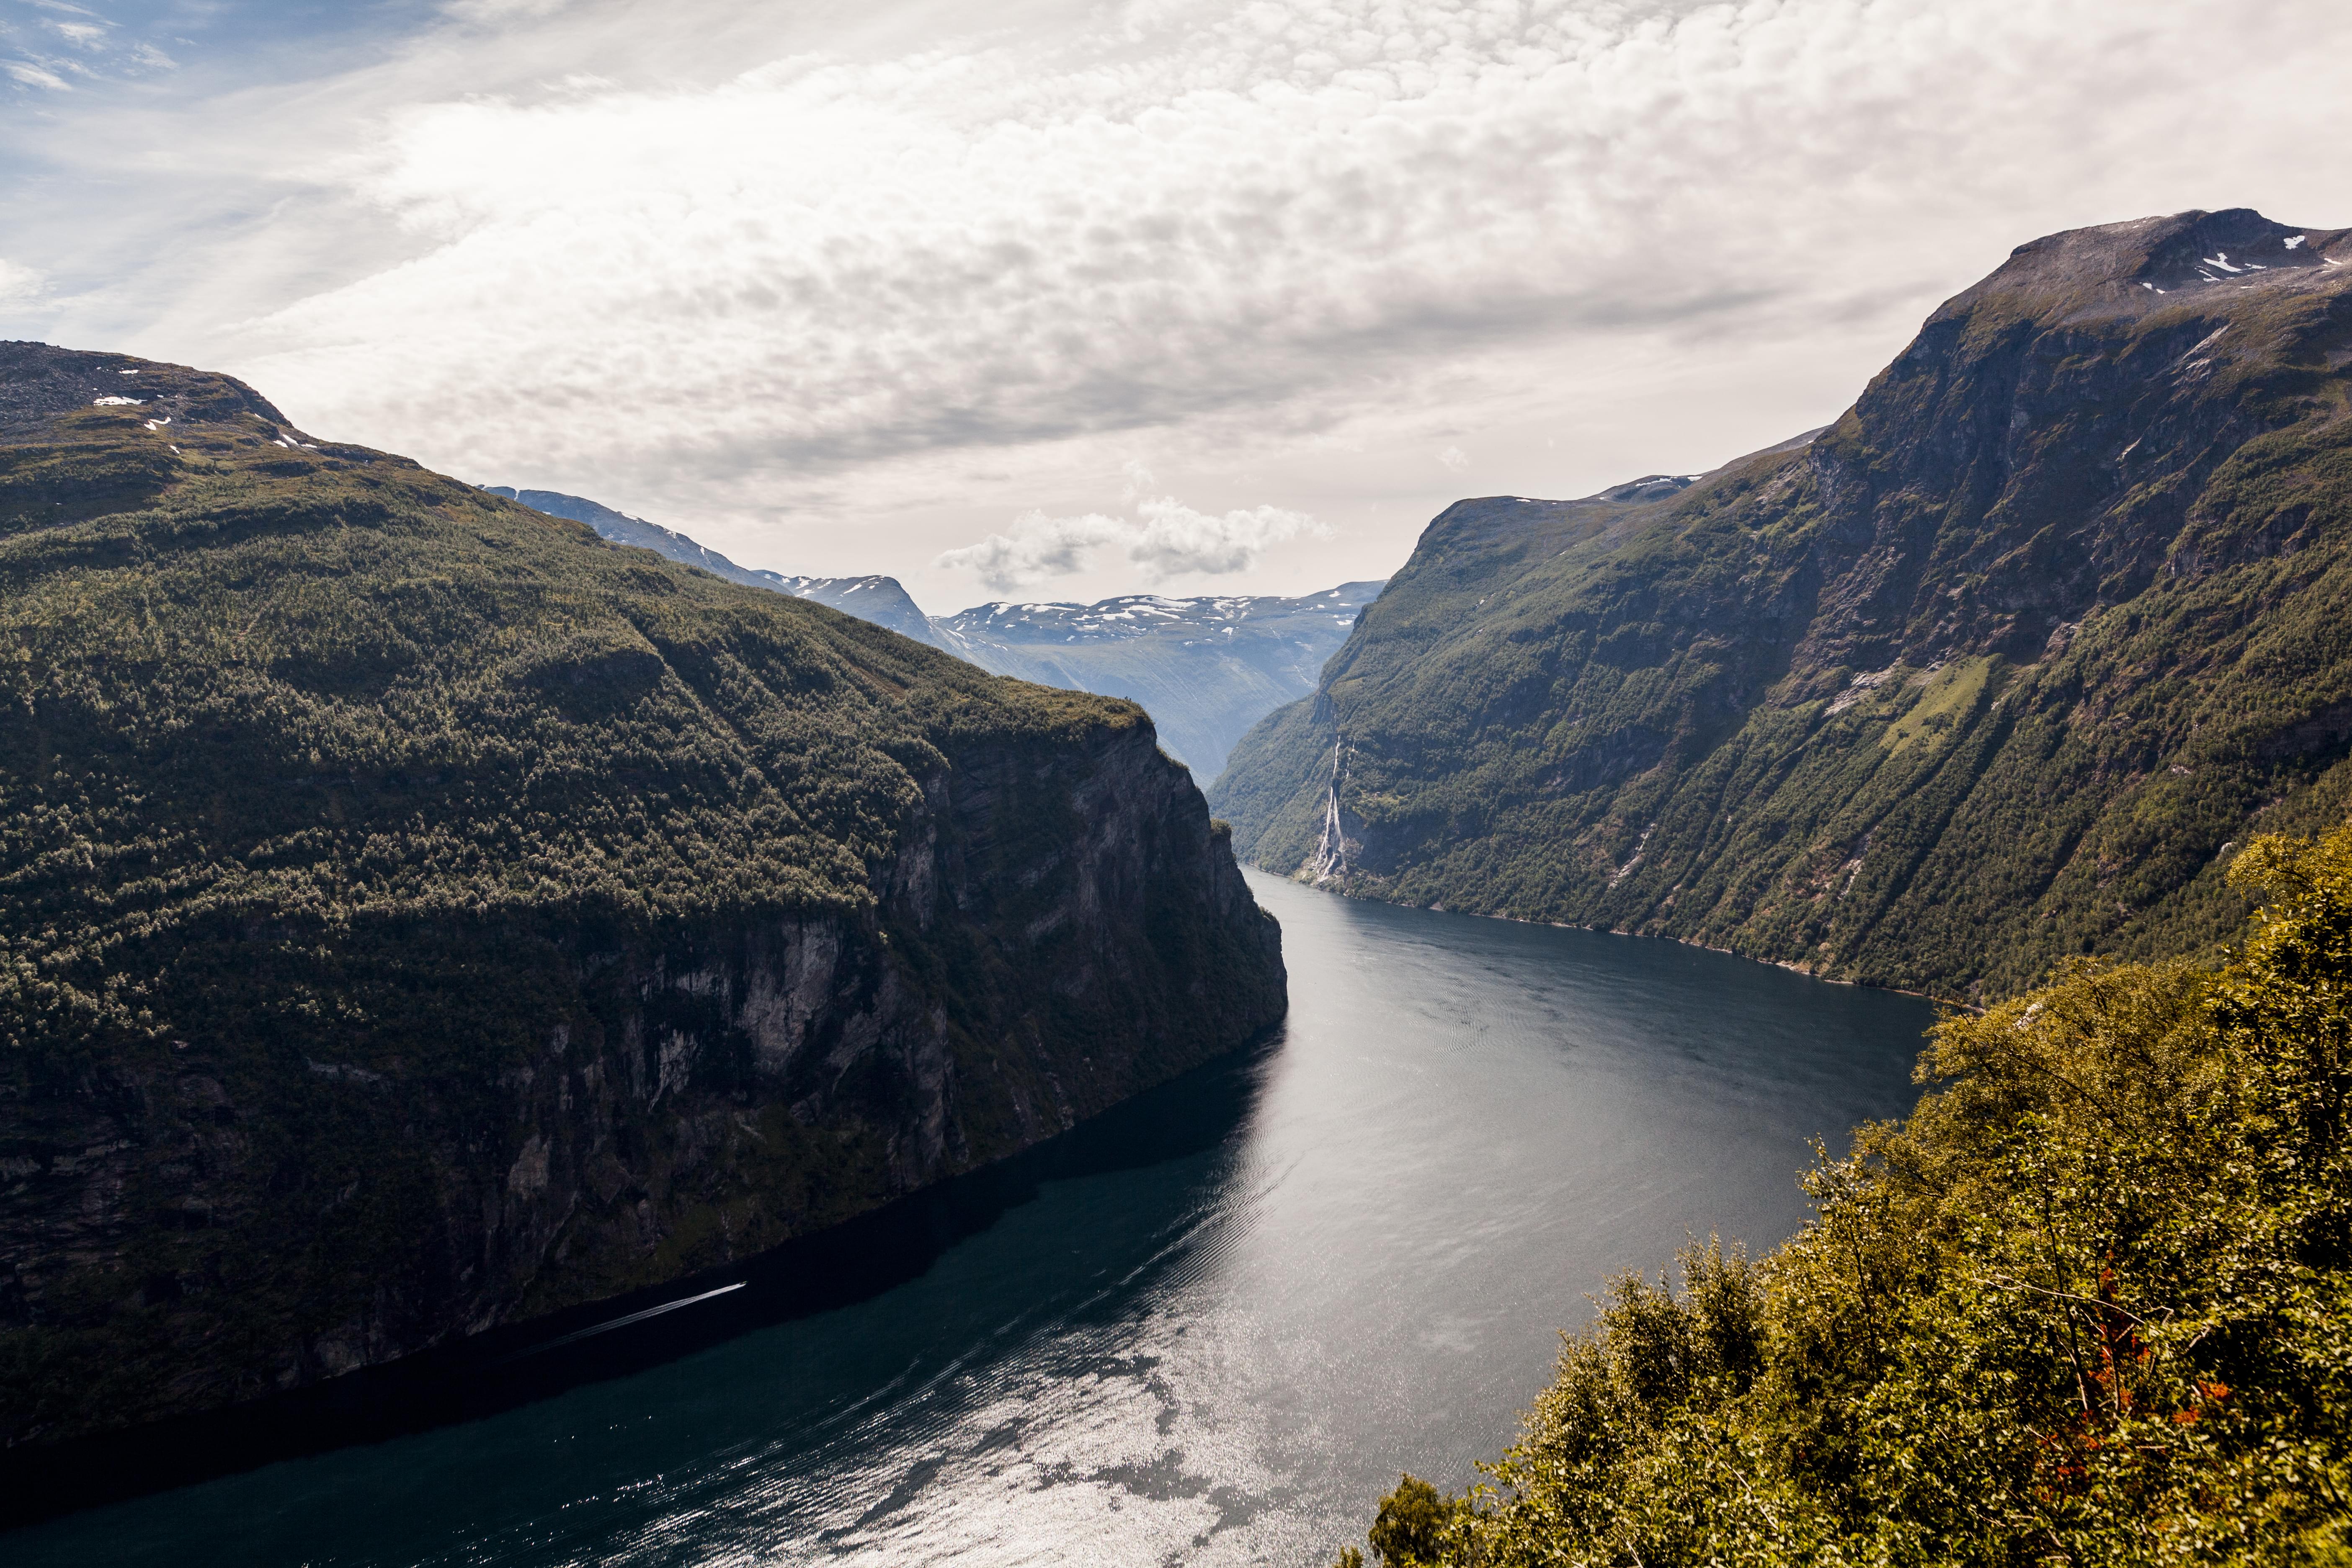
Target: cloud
{"x":1166,"y":539}
{"x":28,"y":74}
{"x":1454,"y":459}
{"x":19,"y":284}
{"x":1175,"y":540}
{"x":1038,"y":547}
{"x":491,"y":12}
{"x":819,"y":264}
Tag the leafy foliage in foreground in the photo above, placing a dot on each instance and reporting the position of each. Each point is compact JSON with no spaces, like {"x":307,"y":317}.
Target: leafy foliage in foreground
{"x":2090,"y":1304}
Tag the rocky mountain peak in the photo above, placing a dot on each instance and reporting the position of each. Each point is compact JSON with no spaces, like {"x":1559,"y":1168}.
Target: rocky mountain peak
{"x":1146,"y":614}
{"x":1207,"y":667}
{"x":1650,"y":486}
{"x":2149,"y":264}
{"x":40,"y":384}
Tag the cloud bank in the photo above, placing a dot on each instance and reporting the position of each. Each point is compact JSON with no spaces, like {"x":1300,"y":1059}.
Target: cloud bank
{"x":1166,"y":540}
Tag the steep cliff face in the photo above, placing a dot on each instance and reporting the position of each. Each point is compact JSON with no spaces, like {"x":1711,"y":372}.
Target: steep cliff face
{"x":416,"y":915}
{"x":1991,"y":672}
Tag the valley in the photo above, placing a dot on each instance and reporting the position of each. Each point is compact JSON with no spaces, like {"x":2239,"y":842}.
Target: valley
{"x":1212,"y":1324}
{"x":835,"y":1055}
{"x":1207,"y":668}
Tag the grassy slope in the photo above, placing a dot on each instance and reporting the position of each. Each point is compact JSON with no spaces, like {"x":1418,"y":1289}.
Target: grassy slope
{"x":1987,"y":675}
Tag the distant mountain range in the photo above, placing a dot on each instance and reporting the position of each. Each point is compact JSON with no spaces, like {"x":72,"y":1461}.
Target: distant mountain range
{"x":1207,"y":668}
{"x":878,"y":599}
{"x":1996,"y":669}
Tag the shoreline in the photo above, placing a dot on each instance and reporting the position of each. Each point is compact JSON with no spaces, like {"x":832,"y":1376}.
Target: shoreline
{"x":1789,"y":965}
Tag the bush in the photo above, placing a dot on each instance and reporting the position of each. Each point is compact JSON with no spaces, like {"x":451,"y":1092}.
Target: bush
{"x":2089,"y":1304}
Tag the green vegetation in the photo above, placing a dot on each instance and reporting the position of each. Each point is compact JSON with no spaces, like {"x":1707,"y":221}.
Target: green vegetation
{"x":1988,"y":675}
{"x":416,"y":913}
{"x":1207,"y":668}
{"x":1949,"y":696}
{"x":2092,"y":1303}
{"x":341,"y":685}
{"x":1985,"y":683}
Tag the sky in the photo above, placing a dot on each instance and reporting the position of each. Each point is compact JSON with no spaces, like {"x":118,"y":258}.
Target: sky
{"x":1059,"y":298}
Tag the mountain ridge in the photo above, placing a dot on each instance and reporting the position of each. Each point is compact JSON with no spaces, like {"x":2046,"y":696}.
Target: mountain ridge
{"x":881,"y":600}
{"x":1206,"y":666}
{"x":1987,"y":672}
{"x":1203,"y":693}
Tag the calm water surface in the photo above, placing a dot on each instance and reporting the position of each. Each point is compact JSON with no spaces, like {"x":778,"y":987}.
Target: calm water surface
{"x":1215,"y":1347}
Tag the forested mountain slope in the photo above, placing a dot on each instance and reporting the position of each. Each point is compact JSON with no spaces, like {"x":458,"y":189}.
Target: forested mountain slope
{"x":1207,"y":668}
{"x":2087,"y":1305}
{"x":417,"y":914}
{"x":882,"y":600}
{"x":1993,"y":670}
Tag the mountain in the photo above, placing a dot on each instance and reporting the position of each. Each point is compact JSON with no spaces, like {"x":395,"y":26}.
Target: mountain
{"x":1207,"y":668}
{"x":418,"y":914}
{"x":1996,"y":669}
{"x":878,"y":599}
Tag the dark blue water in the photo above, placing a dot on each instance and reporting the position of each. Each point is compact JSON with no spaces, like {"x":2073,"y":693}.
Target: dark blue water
{"x":1215,"y":1333}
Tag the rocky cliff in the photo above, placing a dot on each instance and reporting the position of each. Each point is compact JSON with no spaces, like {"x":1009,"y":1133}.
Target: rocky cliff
{"x":417,"y":914}
{"x":1995,"y":670}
